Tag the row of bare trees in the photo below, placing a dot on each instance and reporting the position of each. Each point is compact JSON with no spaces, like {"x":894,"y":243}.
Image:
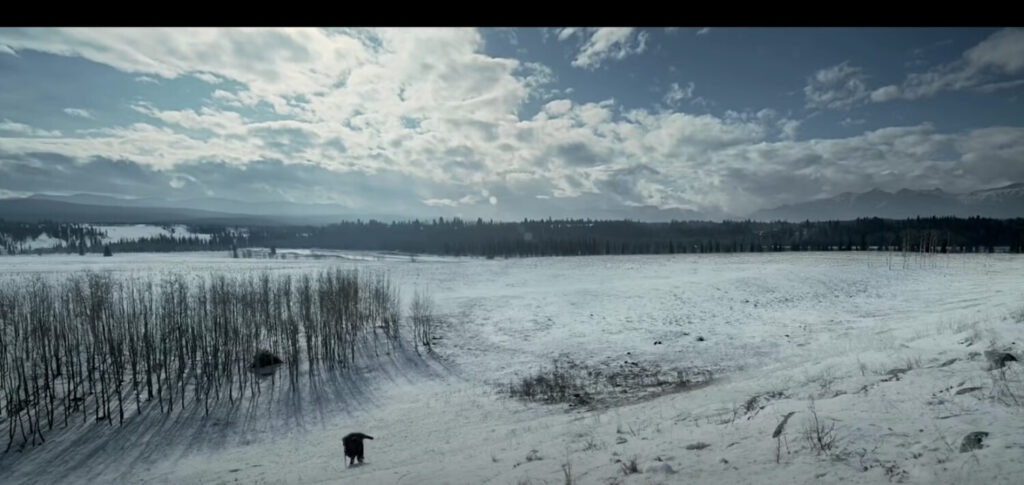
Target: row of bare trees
{"x":94,"y":346}
{"x":922,"y":244}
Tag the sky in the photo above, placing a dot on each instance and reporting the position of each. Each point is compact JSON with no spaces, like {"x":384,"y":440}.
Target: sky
{"x":510,"y":123}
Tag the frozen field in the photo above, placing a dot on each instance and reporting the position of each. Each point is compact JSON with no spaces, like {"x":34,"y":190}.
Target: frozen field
{"x":864,"y":336}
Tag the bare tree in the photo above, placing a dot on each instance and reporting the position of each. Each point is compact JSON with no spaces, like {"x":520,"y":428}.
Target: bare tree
{"x":422,"y":310}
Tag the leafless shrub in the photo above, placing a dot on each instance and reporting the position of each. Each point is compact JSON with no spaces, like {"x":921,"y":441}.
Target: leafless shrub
{"x":1008,"y":385}
{"x":422,"y":315}
{"x":825,"y":381}
{"x":820,"y":436}
{"x":630,"y":466}
{"x":578,"y":384}
{"x":592,"y":444}
{"x":558,"y":384}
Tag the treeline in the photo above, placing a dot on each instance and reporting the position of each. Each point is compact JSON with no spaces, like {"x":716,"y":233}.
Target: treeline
{"x":94,"y":348}
{"x":456,"y":237}
{"x":70,"y":238}
{"x":587,"y":237}
{"x":15,"y":236}
{"x":166,"y":243}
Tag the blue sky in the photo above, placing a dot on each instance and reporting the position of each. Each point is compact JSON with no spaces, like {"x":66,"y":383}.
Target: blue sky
{"x":507,"y":123}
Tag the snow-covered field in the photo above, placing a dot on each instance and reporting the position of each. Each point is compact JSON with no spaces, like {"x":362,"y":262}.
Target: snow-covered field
{"x":870,"y":341}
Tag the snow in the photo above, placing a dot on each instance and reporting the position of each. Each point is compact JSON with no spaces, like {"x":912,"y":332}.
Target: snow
{"x":866,"y":340}
{"x":43,"y":241}
{"x":137,"y":231}
{"x":355,"y":255}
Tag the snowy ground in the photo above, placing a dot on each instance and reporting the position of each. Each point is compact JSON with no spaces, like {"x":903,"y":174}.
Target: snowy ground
{"x":871,"y":343}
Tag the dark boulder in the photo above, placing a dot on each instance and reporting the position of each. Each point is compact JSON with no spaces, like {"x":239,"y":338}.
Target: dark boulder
{"x":973,"y":441}
{"x":265,"y":358}
{"x":998,"y":359}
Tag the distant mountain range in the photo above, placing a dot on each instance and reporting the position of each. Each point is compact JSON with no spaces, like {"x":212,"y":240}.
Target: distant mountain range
{"x":31,"y":209}
{"x":1001,"y":203}
{"x":210,"y":210}
{"x":106,"y":209}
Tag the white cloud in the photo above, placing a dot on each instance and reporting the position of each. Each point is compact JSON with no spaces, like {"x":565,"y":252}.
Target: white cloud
{"x":269,"y":61}
{"x":998,"y":86}
{"x":979,"y":68}
{"x":147,"y":79}
{"x":838,"y":87}
{"x":852,"y":121}
{"x":885,"y":93}
{"x":1002,"y":51}
{"x":218,"y":122}
{"x":6,"y":49}
{"x":982,"y":68}
{"x":13,"y":194}
{"x":566,"y":33}
{"x":558,"y":107}
{"x":23,"y":129}
{"x":180,"y":180}
{"x":789,"y":128}
{"x":704,"y":31}
{"x":467,"y":200}
{"x":702,"y":102}
{"x":81,"y":113}
{"x":441,"y":202}
{"x":146,"y":144}
{"x":676,"y":95}
{"x":208,"y":78}
{"x":610,"y":43}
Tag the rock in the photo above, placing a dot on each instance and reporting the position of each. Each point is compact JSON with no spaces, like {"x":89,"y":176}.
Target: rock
{"x":700,"y":338}
{"x":973,"y":441}
{"x":661,"y":467}
{"x":533,"y":455}
{"x":997,"y":359}
{"x":265,"y":358}
{"x":700,"y":445}
{"x":620,"y":440}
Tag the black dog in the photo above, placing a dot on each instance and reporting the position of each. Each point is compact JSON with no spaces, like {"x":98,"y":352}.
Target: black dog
{"x":353,"y":443}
